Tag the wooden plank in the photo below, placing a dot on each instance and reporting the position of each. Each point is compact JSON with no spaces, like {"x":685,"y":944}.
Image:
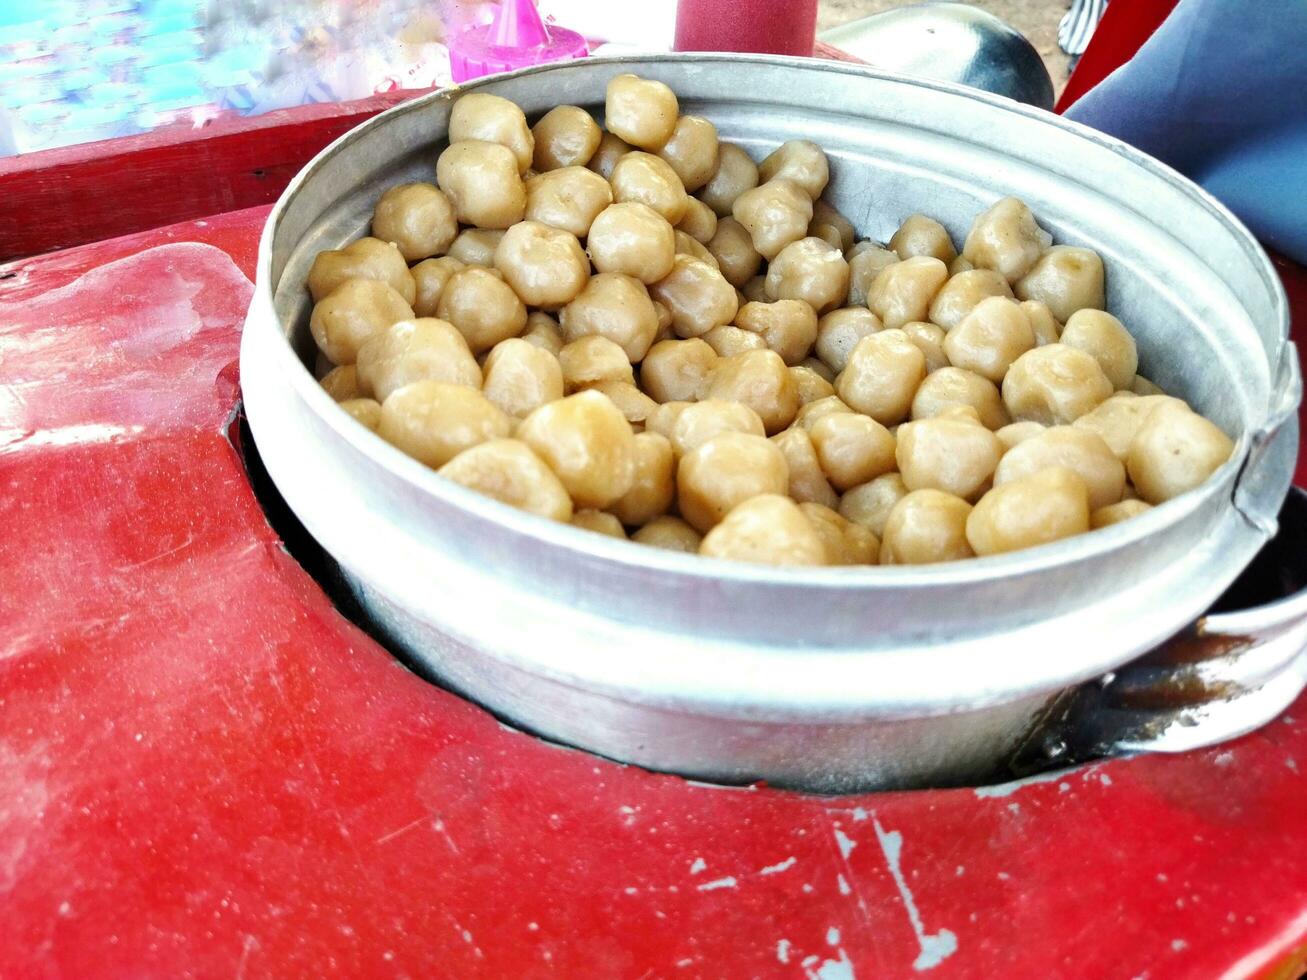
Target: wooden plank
{"x":78,"y":194}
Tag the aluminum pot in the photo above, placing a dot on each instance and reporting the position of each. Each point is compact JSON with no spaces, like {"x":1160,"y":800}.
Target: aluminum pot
{"x":826,"y":679}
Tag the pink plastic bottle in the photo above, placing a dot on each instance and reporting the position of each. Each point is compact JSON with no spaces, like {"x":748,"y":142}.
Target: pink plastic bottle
{"x":515,"y":38}
{"x":759,"y":26}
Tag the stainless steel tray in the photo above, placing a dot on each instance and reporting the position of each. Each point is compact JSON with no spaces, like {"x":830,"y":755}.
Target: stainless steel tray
{"x":827,"y":679}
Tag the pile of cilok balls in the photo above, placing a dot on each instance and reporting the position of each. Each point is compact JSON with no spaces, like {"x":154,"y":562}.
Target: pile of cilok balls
{"x":643,"y":332}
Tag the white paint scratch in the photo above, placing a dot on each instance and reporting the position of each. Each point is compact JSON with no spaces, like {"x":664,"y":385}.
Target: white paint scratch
{"x":839,"y":969}
{"x":935,"y":947}
{"x":133,"y":566}
{"x":727,"y":882}
{"x":247,"y":947}
{"x":439,"y":827}
{"x":402,"y":830}
{"x":1179,"y":945}
{"x":1007,"y":789}
{"x":783,"y":950}
{"x":832,"y":936}
{"x":773,"y":869}
{"x":1223,"y":758}
{"x":699,"y":865}
{"x":859,"y":813}
{"x":750,"y":788}
{"x":845,"y":846}
{"x":1064,"y":787}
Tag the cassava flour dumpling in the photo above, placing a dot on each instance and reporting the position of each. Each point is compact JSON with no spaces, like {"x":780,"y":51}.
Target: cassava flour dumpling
{"x":617,"y":318}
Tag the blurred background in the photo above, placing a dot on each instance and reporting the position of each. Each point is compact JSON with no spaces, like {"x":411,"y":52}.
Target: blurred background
{"x":72,"y":71}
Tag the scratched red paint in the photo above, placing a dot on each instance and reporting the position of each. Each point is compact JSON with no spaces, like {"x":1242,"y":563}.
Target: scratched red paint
{"x":206,"y":771}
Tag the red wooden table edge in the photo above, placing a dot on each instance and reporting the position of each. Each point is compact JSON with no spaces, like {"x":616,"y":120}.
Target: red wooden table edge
{"x":169,"y":175}
{"x":125,"y":147}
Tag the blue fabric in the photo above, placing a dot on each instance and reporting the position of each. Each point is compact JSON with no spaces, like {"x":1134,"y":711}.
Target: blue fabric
{"x":1220,"y":93}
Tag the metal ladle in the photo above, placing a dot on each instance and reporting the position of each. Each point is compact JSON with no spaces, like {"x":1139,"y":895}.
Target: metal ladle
{"x":949,"y":42}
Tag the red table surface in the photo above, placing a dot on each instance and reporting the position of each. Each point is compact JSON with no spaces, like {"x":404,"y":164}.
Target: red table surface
{"x":205,"y":770}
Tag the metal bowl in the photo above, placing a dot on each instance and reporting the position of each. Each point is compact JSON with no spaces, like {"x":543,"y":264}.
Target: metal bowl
{"x":951,"y":42}
{"x":831,"y":679}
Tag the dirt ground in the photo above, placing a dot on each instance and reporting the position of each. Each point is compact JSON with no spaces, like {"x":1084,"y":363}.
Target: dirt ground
{"x":1036,"y":19}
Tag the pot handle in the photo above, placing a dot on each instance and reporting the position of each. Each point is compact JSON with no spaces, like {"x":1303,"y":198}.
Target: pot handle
{"x":1229,"y":673}
{"x":1257,"y":488}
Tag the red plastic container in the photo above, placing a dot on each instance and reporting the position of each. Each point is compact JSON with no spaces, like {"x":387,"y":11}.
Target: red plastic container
{"x":759,"y":26}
